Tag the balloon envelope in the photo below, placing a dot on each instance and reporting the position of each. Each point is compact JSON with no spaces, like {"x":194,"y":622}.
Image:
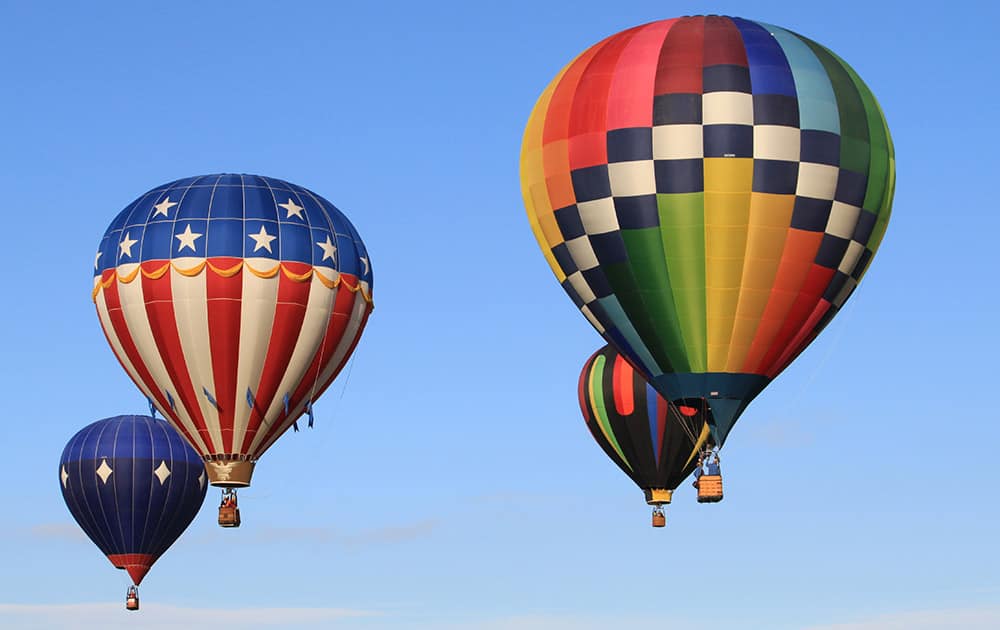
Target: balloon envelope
{"x":709,"y":191}
{"x":232,"y":301}
{"x":134,"y":485}
{"x":653,"y":441}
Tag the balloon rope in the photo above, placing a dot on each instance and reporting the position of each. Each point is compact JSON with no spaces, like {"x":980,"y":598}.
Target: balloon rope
{"x":688,"y":430}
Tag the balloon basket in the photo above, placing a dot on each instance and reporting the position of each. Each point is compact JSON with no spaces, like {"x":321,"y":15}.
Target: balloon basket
{"x":659,"y":518}
{"x":709,"y":488}
{"x":132,"y":599}
{"x":229,"y":516}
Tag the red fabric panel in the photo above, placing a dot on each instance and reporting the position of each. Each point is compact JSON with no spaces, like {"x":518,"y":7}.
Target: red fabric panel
{"x":680,"y":64}
{"x":162,"y":323}
{"x":624,"y":392}
{"x":630,"y":97}
{"x":224,"y":300}
{"x":809,"y":296}
{"x":121,"y":330}
{"x":723,"y":43}
{"x":588,"y":119}
{"x":136,"y":564}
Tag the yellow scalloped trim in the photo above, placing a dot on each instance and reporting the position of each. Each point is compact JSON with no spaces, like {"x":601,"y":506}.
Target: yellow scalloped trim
{"x":229,"y":272}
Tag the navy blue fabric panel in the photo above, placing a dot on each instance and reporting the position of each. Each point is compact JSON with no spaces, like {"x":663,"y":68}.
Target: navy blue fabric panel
{"x":677,"y":109}
{"x":260,"y":204}
{"x":347,"y":254}
{"x":831,"y":251}
{"x":728,"y":140}
{"x":631,"y":144}
{"x":598,"y":282}
{"x":609,"y":247}
{"x":296,"y":244}
{"x":775,"y":109}
{"x":851,"y":187}
{"x":108,"y":476}
{"x":192,"y":203}
{"x":591,"y":183}
{"x":156,"y":243}
{"x":836,"y":284}
{"x":569,"y":222}
{"x":769,"y":69}
{"x":637,"y":212}
{"x":725,"y":78}
{"x":866,"y":225}
{"x":225,"y":238}
{"x":863,"y":261}
{"x":227,"y":201}
{"x":679,"y":176}
{"x":811,"y":214}
{"x":821,"y":147}
{"x":775,"y":176}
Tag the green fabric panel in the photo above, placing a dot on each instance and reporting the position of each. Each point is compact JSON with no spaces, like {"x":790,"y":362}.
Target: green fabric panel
{"x":881,"y":150}
{"x":855,"y":152}
{"x":646,"y":257}
{"x":626,"y":289}
{"x":882,"y":169}
{"x":597,"y":388}
{"x":682,"y":230}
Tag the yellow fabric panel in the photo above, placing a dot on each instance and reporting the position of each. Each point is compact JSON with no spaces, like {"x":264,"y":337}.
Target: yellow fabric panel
{"x":770,"y":216}
{"x":728,"y":182}
{"x":533,"y":173}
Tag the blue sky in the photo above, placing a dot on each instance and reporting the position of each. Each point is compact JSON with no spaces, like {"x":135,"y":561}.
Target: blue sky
{"x":450,"y":481}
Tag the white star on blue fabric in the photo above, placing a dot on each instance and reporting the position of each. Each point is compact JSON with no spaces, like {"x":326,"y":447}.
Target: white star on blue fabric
{"x":263,"y":239}
{"x":329,"y":249}
{"x":163,"y":206}
{"x":364,"y":261}
{"x":97,"y":258}
{"x":292,"y":208}
{"x":126,"y":245}
{"x":187,"y":238}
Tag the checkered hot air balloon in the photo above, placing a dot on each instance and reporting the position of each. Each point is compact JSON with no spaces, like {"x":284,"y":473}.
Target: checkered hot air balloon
{"x":232,"y":301}
{"x":133,"y":485}
{"x":709,"y":191}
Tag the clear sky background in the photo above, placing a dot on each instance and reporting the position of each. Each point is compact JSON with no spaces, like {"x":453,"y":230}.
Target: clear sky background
{"x":450,"y":481}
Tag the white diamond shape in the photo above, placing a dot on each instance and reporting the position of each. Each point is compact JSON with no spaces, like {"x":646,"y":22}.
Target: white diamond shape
{"x":104,"y":471}
{"x":162,"y":472}
{"x":201,"y":480}
{"x":64,"y":475}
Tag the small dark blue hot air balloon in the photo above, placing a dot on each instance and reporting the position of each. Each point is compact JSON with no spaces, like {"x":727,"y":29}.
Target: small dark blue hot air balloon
{"x":134,"y":485}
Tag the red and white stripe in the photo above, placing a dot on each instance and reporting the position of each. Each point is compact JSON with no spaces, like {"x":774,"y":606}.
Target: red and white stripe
{"x":274,"y":335}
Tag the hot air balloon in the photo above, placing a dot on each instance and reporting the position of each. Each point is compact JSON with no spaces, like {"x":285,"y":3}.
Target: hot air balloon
{"x":656,"y":443}
{"x":232,"y":301}
{"x":709,"y":191}
{"x":134,"y":485}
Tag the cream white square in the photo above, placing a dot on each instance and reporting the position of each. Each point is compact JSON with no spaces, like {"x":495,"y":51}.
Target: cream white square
{"x":632,"y":178}
{"x":599,"y":216}
{"x":851,"y":257}
{"x":678,"y":142}
{"x":727,"y":108}
{"x":582,"y":253}
{"x":843,"y":220}
{"x":774,"y":142}
{"x":581,"y":287}
{"x":818,"y":181}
